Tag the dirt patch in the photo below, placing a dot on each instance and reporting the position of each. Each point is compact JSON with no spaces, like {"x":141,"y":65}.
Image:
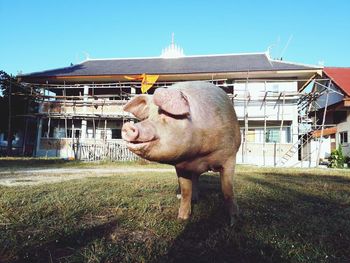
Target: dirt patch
{"x":41,"y":176}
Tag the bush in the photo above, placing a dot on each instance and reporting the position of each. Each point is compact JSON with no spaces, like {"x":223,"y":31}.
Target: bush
{"x":336,"y":160}
{"x":347,"y":160}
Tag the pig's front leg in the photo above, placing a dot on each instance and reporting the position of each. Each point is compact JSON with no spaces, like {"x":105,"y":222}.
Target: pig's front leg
{"x":226,"y":175}
{"x":185,"y":182}
{"x":195,"y":189}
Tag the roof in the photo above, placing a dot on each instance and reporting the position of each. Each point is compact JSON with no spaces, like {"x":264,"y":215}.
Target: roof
{"x":162,"y":66}
{"x":340,"y":76}
{"x":326,"y":132}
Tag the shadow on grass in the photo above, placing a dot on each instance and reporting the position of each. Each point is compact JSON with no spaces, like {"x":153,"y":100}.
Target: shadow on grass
{"x":65,"y":245}
{"x":209,"y":238}
{"x":282,"y":223}
{"x":32,"y":162}
{"x":304,"y":177}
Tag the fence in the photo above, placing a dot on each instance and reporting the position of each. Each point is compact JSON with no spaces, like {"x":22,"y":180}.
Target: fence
{"x":111,"y":151}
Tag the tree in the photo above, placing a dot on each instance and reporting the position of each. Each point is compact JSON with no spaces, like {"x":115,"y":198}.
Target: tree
{"x":15,"y":101}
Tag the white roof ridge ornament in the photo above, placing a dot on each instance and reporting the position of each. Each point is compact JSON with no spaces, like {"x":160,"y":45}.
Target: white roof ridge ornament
{"x":173,"y":50}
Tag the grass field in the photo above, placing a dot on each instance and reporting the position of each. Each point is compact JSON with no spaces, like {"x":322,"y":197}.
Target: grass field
{"x":287,"y":215}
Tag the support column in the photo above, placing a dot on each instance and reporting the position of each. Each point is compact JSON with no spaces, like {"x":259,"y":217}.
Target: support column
{"x":38,"y":137}
{"x":84,"y":121}
{"x":83,"y":129}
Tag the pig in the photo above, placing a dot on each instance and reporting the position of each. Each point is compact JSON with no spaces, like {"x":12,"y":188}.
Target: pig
{"x":193,"y":126}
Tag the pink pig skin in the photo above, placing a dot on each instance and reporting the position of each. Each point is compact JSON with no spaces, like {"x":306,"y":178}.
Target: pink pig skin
{"x":193,"y":126}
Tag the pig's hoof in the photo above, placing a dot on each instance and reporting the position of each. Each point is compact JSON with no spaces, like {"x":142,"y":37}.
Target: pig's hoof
{"x":184,"y":214}
{"x":182,"y":218}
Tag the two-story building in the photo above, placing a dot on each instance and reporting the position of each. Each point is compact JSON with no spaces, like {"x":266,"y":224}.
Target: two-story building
{"x":81,"y":112}
{"x":332,"y":110}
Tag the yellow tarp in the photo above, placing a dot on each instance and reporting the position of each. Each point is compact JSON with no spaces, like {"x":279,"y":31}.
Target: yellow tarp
{"x":147,"y":81}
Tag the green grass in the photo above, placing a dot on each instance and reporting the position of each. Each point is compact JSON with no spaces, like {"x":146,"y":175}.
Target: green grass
{"x":287,"y":215}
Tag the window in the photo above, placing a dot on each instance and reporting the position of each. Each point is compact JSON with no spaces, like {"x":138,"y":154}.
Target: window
{"x":339,"y":116}
{"x":343,"y":136}
{"x":272,"y":135}
{"x":90,"y":133}
{"x":59,"y":132}
{"x":4,"y":137}
{"x":274,"y":88}
{"x":77,"y":133}
{"x":251,"y":135}
{"x":116,"y":134}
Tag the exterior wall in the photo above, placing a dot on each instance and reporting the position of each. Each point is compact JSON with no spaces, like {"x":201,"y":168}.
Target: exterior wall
{"x":54,"y":144}
{"x":333,"y":98}
{"x":270,"y":156}
{"x":256,"y":91}
{"x":275,"y":111}
{"x":344,"y":127}
{"x":102,"y":109}
{"x":311,"y":149}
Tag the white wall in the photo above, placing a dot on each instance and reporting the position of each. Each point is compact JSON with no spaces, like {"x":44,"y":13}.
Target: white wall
{"x":344,"y":127}
{"x":274,"y":103}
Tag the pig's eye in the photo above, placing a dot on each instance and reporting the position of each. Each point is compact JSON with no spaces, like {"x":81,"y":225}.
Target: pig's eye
{"x":166,"y":114}
{"x":160,"y":111}
{"x":163,"y":115}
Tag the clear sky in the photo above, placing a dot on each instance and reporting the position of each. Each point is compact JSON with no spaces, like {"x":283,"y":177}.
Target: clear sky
{"x":42,"y":34}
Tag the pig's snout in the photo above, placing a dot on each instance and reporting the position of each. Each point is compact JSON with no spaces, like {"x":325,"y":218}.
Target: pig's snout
{"x":130,"y":132}
{"x":139,"y":132}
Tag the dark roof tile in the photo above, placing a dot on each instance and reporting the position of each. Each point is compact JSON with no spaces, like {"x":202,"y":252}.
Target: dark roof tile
{"x":183,"y":65}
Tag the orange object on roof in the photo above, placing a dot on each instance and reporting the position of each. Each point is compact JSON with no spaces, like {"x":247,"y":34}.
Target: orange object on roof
{"x":147,"y":81}
{"x":326,"y":132}
{"x":340,"y":76}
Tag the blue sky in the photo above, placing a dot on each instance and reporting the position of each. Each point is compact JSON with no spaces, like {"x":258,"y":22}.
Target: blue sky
{"x":40,"y":35}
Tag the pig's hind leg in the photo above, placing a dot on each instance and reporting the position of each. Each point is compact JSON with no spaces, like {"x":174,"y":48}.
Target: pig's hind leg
{"x":226,"y":175}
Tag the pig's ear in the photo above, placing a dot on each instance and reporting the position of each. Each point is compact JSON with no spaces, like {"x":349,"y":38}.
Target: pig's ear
{"x":172,"y":101}
{"x":138,"y":106}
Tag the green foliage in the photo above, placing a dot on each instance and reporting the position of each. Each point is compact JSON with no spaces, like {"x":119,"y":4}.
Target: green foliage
{"x":347,"y":160}
{"x":20,"y":103}
{"x":337,"y":158}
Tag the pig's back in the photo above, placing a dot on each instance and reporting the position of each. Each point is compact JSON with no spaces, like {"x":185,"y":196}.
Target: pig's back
{"x":212,"y":113}
{"x":209,"y":105}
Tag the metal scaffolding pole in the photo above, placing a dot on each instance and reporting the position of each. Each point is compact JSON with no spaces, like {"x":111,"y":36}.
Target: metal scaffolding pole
{"x":244,"y":152}
{"x":282,"y":122}
{"x":264,"y":136}
{"x":322,"y":126}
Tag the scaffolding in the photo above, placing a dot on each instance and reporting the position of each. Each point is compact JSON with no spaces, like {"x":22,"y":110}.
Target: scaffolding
{"x":69,"y":102}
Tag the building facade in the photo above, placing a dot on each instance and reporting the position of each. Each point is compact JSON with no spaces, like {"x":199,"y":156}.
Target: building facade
{"x":332,"y":110}
{"x":81,"y":106}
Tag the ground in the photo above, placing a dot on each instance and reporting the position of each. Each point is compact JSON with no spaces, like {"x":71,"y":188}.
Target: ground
{"x":127,"y":213}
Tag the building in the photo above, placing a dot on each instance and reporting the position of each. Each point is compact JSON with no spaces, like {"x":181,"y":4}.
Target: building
{"x":332,"y":110}
{"x":81,"y":105}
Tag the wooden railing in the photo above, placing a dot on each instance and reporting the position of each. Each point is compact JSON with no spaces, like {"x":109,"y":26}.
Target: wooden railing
{"x":112,"y":151}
